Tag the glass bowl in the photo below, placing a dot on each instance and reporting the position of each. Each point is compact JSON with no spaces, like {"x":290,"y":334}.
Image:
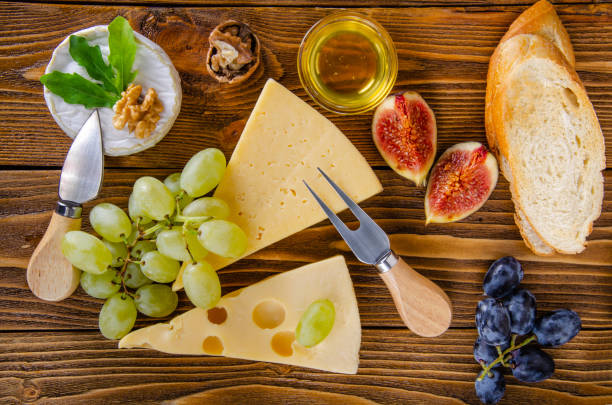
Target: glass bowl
{"x":309,"y":68}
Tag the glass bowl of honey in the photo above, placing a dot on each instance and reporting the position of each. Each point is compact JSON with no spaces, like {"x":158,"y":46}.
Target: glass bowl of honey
{"x":347,"y":63}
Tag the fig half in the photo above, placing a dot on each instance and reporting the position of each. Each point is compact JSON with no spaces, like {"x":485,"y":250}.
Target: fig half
{"x":405,"y":134}
{"x":460,"y":182}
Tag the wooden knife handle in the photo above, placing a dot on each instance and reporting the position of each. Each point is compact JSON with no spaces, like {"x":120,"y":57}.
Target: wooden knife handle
{"x":423,"y":306}
{"x":50,"y":275}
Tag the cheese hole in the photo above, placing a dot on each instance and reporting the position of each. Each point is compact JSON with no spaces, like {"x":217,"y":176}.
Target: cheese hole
{"x":268,"y":314}
{"x":212,"y":345}
{"x":281,"y":343}
{"x":217,"y":315}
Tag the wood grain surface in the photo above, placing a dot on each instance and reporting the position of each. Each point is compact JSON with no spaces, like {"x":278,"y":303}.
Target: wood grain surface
{"x":51,"y":353}
{"x":395,"y":368}
{"x":443,"y":54}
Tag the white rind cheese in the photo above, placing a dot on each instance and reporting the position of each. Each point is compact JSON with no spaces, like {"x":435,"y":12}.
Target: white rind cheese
{"x":155,"y":69}
{"x":284,"y":297}
{"x":283,"y":143}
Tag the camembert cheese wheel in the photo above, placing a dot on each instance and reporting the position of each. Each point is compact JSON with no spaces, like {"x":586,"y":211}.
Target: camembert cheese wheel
{"x":155,"y":69}
{"x":258,"y":322}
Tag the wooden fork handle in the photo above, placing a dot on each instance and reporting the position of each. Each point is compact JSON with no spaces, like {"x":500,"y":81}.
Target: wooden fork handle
{"x":50,"y":275}
{"x":423,"y":306}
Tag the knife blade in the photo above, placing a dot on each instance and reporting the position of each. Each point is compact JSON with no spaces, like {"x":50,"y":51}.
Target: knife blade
{"x":83,"y":169}
{"x":50,"y":275}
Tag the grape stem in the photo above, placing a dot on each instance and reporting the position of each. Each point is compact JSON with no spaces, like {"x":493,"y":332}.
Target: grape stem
{"x":154,"y":228}
{"x":185,"y":219}
{"x":499,"y":353}
{"x":502,"y":357}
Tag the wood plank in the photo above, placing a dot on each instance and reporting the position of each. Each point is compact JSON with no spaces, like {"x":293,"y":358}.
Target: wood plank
{"x":443,"y":54}
{"x":335,"y":3}
{"x":454,"y":255}
{"x":395,"y":367}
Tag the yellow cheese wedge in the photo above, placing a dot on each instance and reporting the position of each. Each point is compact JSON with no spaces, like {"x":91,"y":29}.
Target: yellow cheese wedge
{"x":283,"y":143}
{"x":258,"y":322}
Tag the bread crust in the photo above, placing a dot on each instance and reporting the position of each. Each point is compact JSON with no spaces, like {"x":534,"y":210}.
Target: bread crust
{"x":514,"y":52}
{"x":541,"y":19}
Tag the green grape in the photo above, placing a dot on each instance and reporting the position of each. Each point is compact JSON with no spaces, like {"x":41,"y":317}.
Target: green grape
{"x":156,"y":300}
{"x":207,"y":207}
{"x":173,"y":182}
{"x":118,"y":250}
{"x":316,"y":323}
{"x":135,"y":213}
{"x":101,"y":285}
{"x":86,"y":252}
{"x":117,"y":316}
{"x":203,"y":172}
{"x":202,"y":285}
{"x":171,"y":243}
{"x":152,"y":198}
{"x":141,"y":247}
{"x":134,"y":277}
{"x":198,"y":252}
{"x":158,"y":267}
{"x":110,"y":221}
{"x":223,"y":238}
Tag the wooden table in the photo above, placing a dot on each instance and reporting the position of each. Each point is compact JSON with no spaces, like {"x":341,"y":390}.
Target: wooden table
{"x":53,"y":353}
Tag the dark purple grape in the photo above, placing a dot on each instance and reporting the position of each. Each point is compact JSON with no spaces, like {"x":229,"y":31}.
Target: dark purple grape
{"x":493,"y":322}
{"x":530,"y":364}
{"x":503,"y":276}
{"x":491,"y":389}
{"x":521,"y":305}
{"x":486,"y":353}
{"x":558,"y":327}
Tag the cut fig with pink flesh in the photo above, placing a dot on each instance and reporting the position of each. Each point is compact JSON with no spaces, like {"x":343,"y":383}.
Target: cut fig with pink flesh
{"x":460,"y":182}
{"x":405,"y":134}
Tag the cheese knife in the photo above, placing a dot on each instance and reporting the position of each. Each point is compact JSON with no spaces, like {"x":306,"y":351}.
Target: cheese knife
{"x":50,"y":275}
{"x":423,"y":306}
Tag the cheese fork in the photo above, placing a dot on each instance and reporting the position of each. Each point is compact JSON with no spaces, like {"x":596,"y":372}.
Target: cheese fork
{"x":422,"y":305}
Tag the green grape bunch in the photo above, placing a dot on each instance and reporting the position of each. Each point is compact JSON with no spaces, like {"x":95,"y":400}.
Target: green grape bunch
{"x":169,"y":225}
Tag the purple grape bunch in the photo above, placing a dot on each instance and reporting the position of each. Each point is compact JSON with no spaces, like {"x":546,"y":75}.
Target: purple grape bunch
{"x":510,"y":334}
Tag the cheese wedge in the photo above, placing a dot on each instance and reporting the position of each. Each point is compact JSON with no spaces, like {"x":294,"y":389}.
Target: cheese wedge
{"x":283,"y":143}
{"x":258,"y":322}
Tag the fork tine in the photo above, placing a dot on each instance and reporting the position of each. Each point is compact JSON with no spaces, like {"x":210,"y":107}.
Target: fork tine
{"x":337,"y":222}
{"x":355,"y":209}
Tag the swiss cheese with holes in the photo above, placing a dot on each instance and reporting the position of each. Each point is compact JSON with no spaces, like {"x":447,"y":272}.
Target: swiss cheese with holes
{"x":283,"y":143}
{"x":258,"y":322}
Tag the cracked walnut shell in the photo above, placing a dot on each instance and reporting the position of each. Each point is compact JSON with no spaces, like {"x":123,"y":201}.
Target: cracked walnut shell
{"x":140,"y":118}
{"x":234,"y":52}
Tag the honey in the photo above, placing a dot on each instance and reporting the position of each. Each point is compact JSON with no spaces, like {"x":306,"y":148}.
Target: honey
{"x":347,"y":63}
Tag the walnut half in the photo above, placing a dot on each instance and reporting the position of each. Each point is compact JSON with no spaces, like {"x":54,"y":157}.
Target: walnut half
{"x":140,"y":118}
{"x":233,"y":53}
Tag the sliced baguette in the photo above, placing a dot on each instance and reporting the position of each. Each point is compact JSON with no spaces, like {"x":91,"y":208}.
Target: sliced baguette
{"x":546,"y":128}
{"x":502,"y":62}
{"x":541,"y":19}
{"x":531,"y":238}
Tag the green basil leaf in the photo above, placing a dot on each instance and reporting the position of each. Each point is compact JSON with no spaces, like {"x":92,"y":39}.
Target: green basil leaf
{"x":90,"y":58}
{"x":75,"y":89}
{"x":123,"y":47}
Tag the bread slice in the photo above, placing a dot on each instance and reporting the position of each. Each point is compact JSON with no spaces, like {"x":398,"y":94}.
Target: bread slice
{"x":502,"y":62}
{"x":531,"y":238}
{"x":541,"y":19}
{"x":546,"y":128}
